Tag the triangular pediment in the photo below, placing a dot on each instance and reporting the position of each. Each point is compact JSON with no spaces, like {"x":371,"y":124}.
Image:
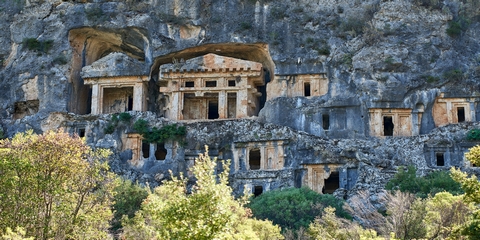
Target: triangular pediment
{"x":114,"y":65}
{"x":211,"y":62}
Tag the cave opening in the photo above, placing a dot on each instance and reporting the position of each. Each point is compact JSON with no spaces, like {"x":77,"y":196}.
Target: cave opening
{"x":332,"y":183}
{"x":160,"y":151}
{"x":257,"y":191}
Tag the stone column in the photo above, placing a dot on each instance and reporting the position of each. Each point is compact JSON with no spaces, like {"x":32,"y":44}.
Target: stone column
{"x":176,"y":106}
{"x":473,"y":117}
{"x":138,"y":97}
{"x":242,"y":103}
{"x":222,"y":105}
{"x":96,"y":99}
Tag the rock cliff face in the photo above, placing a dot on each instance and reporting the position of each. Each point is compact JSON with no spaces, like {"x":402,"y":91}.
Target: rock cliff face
{"x":349,"y":90}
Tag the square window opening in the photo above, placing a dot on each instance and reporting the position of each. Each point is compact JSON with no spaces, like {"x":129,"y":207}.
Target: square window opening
{"x":231,"y":83}
{"x":210,"y":83}
{"x":190,"y":84}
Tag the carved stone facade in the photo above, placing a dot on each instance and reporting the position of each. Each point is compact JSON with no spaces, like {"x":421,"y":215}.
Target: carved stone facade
{"x":221,"y":88}
{"x":118,"y":94}
{"x":301,"y":85}
{"x":118,"y":84}
{"x":326,"y":178}
{"x":394,"y":122}
{"x":267,"y":155}
{"x":453,"y":110}
{"x":143,"y":152}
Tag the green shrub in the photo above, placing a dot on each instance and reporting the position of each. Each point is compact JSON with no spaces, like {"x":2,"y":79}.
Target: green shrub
{"x":453,"y":75}
{"x":61,"y":60}
{"x":245,"y":25}
{"x":473,"y":134}
{"x":353,"y":26}
{"x":125,"y":117}
{"x":128,"y":200}
{"x":156,"y":135}
{"x":112,"y":124}
{"x":438,"y":181}
{"x":293,"y":208}
{"x":456,"y":27}
{"x":430,"y":78}
{"x":35,"y":45}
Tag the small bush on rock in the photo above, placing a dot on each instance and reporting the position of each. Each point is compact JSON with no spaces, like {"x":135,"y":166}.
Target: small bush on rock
{"x":473,"y":134}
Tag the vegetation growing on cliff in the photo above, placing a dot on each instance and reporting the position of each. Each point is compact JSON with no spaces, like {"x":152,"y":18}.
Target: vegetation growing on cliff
{"x":206,"y":211}
{"x":293,"y":208}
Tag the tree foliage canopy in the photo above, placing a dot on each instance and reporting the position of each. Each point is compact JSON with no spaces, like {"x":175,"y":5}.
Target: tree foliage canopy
{"x":209,"y":211}
{"x":54,"y":186}
{"x":438,"y":181}
{"x":471,"y":186}
{"x":293,"y":208}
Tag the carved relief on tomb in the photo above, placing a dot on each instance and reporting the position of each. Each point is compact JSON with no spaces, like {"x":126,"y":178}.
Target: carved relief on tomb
{"x":142,"y":151}
{"x":394,"y":122}
{"x":268,"y":155}
{"x":118,"y":84}
{"x":326,"y":178}
{"x":322,"y":178}
{"x":305,"y":85}
{"x":211,"y":87}
{"x":453,"y":110}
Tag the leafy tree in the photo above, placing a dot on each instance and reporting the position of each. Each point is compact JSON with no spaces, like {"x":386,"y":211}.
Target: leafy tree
{"x":54,"y":186}
{"x":445,"y":214}
{"x":293,"y":208}
{"x":209,"y":211}
{"x":330,"y":226}
{"x":438,"y":181}
{"x":128,"y":199}
{"x":471,"y":186}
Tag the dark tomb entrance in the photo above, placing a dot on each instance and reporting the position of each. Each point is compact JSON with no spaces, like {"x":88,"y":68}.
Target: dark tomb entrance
{"x":440,"y":159}
{"x":160,"y":152}
{"x":213,"y":110}
{"x":332,"y":183}
{"x":387,"y":126}
{"x":254,"y":159}
{"x":461,"y":114}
